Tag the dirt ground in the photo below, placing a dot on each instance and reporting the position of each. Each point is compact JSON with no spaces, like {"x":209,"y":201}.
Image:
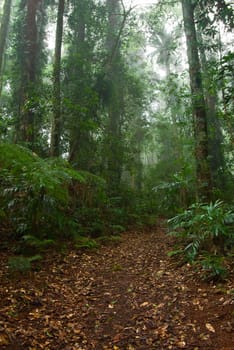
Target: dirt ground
{"x":120,"y":297}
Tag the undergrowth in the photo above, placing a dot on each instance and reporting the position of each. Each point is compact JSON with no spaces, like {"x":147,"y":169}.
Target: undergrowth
{"x":206,"y":235}
{"x":46,"y":201}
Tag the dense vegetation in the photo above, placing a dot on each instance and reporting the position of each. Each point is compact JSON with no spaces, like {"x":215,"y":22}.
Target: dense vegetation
{"x":105,"y":125}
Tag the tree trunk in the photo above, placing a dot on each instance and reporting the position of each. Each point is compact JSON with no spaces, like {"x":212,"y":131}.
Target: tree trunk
{"x":215,"y":137}
{"x":113,"y":74}
{"x":56,"y":122}
{"x":203,"y":172}
{"x":78,"y":53}
{"x":3,"y":34}
{"x":29,"y":58}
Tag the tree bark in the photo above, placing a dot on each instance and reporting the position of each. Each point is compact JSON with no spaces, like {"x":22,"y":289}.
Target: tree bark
{"x":215,"y":137}
{"x":56,"y":122}
{"x":29,"y":58}
{"x":77,"y":70}
{"x":113,"y":74}
{"x":3,"y":34}
{"x":203,"y":173}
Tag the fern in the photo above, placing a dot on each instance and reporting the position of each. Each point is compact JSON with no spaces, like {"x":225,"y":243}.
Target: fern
{"x":39,"y":244}
{"x":36,"y":194}
{"x":21,"y":263}
{"x":85,"y":242}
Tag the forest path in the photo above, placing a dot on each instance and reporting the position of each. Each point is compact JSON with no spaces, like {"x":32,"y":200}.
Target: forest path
{"x":125,"y":297}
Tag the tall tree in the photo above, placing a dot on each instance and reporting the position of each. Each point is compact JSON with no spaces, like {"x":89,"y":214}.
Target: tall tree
{"x":56,"y":122}
{"x":81,"y":64}
{"x":203,"y":173}
{"x":28,"y":66}
{"x":115,"y":98}
{"x":3,"y":34}
{"x":215,"y":137}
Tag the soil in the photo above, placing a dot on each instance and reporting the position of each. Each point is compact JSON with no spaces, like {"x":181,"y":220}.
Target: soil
{"x":120,"y":297}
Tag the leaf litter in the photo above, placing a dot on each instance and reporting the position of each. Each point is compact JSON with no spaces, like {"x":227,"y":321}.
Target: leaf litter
{"x":82,"y":301}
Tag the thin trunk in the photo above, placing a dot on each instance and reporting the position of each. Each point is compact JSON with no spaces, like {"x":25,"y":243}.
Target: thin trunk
{"x":76,"y":135}
{"x":114,"y":156}
{"x":3,"y":34}
{"x":29,"y":69}
{"x":215,"y":137}
{"x":203,"y":173}
{"x":56,"y":123}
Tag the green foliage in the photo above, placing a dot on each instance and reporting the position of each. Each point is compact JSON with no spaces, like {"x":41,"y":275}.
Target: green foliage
{"x":21,"y":263}
{"x":33,"y":242}
{"x":175,"y":192}
{"x":206,"y":232}
{"x":85,"y":243}
{"x":117,"y":229}
{"x":108,"y":240}
{"x":39,"y":197}
{"x":213,"y":267}
{"x":90,"y":221}
{"x":204,"y":224}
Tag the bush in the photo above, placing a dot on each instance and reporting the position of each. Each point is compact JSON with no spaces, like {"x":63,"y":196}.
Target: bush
{"x":34,"y":192}
{"x":206,"y":231}
{"x":21,"y":263}
{"x":39,"y":197}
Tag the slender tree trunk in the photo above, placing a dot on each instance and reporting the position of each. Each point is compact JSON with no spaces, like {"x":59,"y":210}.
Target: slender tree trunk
{"x":203,"y":172}
{"x":31,"y":52}
{"x":139,"y":136}
{"x":29,"y":72}
{"x":76,"y":135}
{"x":56,"y":123}
{"x":3,"y":34}
{"x":215,"y":137}
{"x":113,"y":73}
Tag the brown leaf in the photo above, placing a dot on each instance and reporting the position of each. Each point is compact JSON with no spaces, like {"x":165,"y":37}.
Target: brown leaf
{"x":146,"y":303}
{"x":4,"y":340}
{"x":210,"y":327}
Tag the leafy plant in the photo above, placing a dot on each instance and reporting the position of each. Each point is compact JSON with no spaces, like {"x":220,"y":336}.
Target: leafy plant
{"x":34,"y":243}
{"x":21,"y":263}
{"x":213,"y":268}
{"x":116,"y":229}
{"x":206,"y":231}
{"x":39,"y":197}
{"x":85,"y":242}
{"x":174,"y":192}
{"x":106,"y":240}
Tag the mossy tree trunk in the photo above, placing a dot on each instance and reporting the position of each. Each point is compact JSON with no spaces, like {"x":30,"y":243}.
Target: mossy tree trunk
{"x":203,"y":172}
{"x":114,"y":103}
{"x":215,"y":136}
{"x":3,"y":34}
{"x":56,"y":121}
{"x":28,"y":56}
{"x":77,"y":53}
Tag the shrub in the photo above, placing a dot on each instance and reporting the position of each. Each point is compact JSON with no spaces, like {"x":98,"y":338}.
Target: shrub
{"x":34,"y":191}
{"x":39,"y":197}
{"x":85,"y":243}
{"x":206,"y":231}
{"x":21,"y":263}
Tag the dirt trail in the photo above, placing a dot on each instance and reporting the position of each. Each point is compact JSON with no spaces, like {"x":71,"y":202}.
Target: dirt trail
{"x":125,"y":297}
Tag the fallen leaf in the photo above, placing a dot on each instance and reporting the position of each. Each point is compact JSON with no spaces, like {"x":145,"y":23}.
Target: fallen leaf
{"x":117,"y":338}
{"x":204,"y":336}
{"x":181,"y":344}
{"x":210,"y":327}
{"x":4,"y":340}
{"x":130,"y":347}
{"x":162,"y":331}
{"x":144,"y":304}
